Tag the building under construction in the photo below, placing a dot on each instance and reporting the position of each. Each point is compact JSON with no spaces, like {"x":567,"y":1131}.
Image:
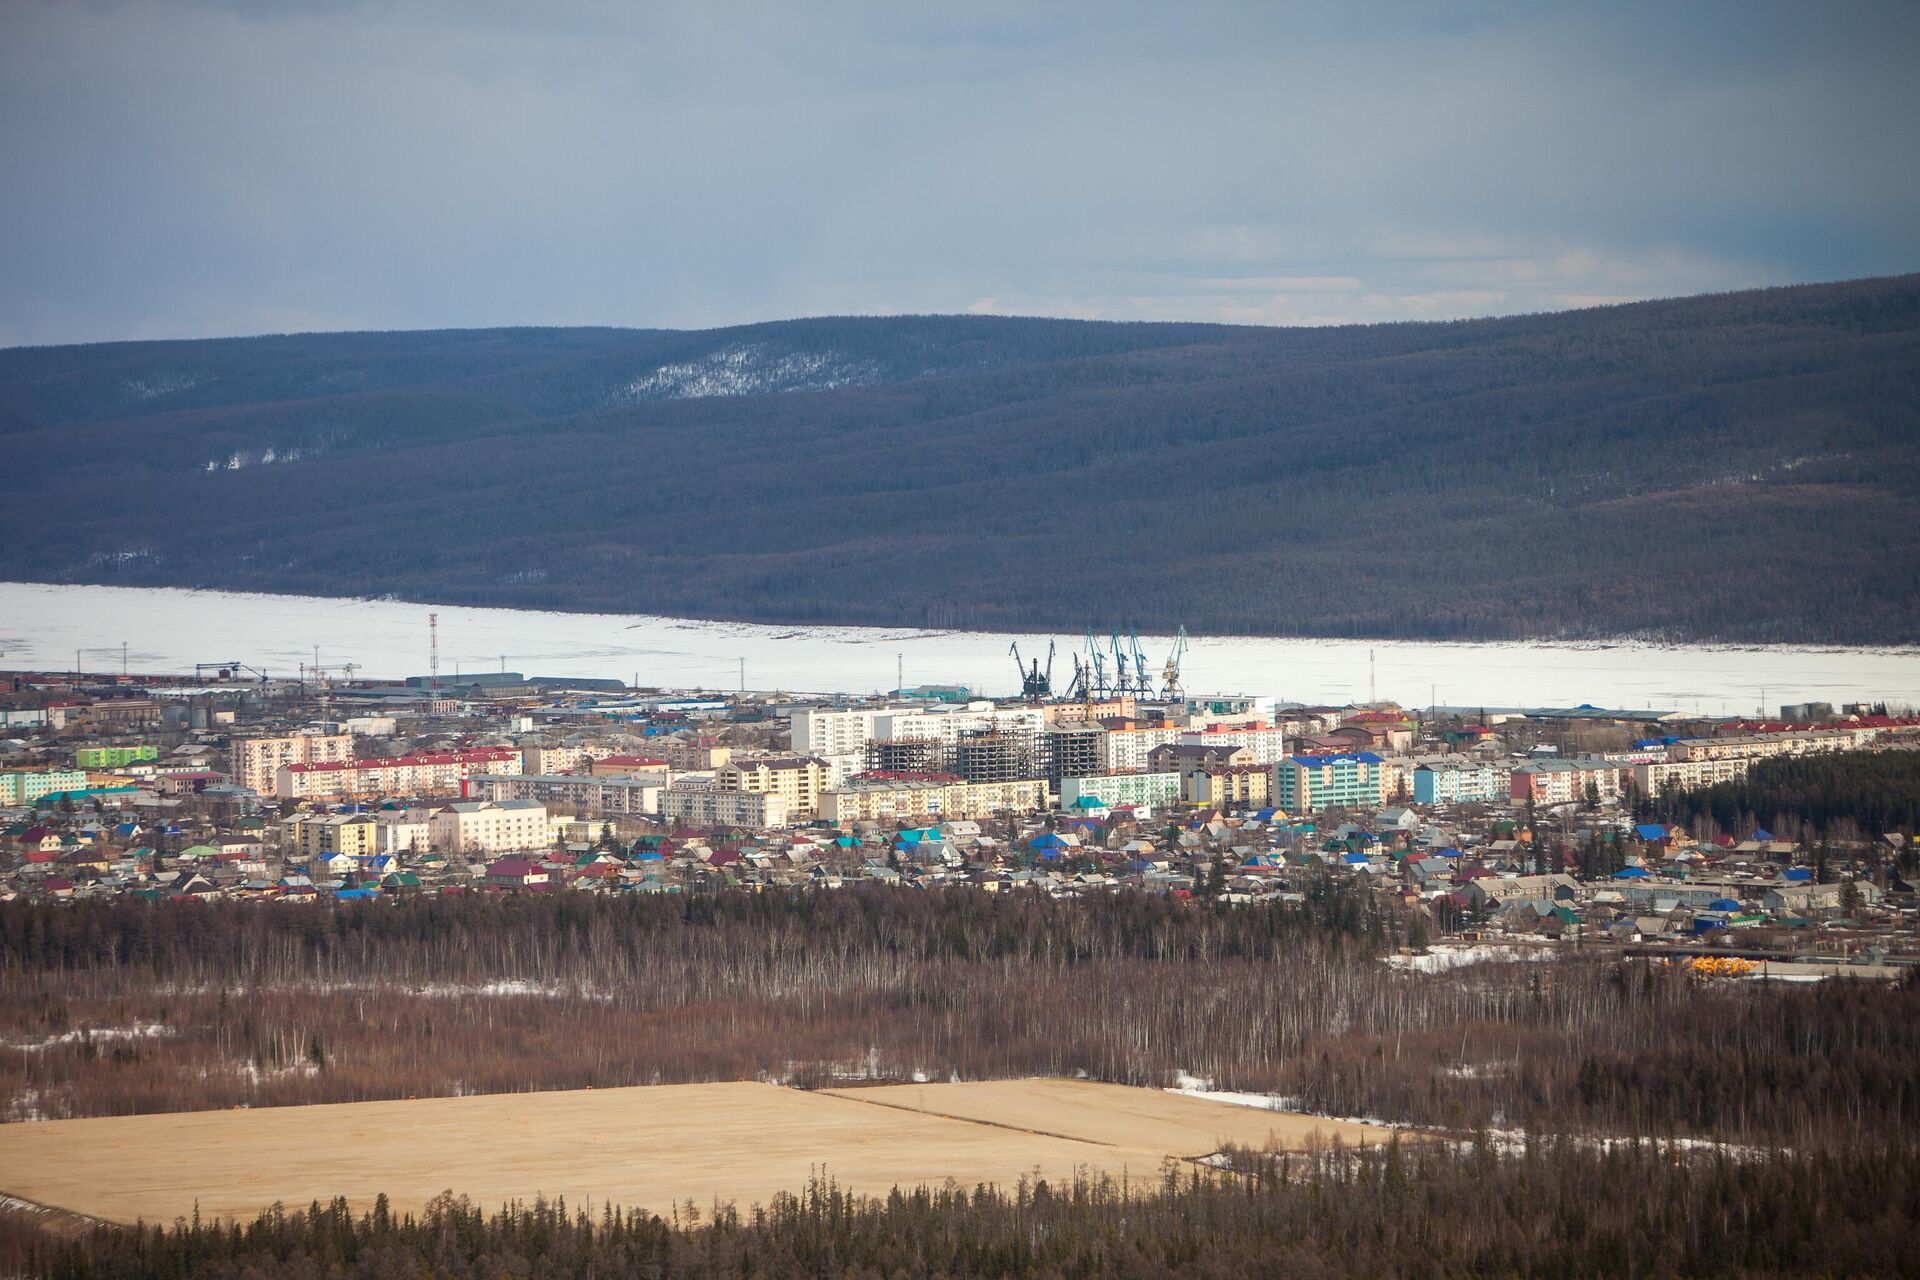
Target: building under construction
{"x":994,"y":757}
{"x":906,"y":755}
{"x":1070,"y":751}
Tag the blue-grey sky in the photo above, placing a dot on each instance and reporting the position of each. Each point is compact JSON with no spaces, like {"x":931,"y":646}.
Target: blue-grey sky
{"x":187,"y":169}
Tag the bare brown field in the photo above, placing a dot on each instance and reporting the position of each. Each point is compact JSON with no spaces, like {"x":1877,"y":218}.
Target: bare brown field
{"x":649,"y":1147}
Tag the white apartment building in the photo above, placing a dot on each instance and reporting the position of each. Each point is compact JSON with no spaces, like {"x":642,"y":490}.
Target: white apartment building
{"x":1124,"y":748}
{"x":489,"y":826}
{"x":1684,"y":775}
{"x":547,"y":760}
{"x":257,"y":761}
{"x":756,"y":809}
{"x":1754,"y":746}
{"x":616,"y":794}
{"x":1267,"y":743}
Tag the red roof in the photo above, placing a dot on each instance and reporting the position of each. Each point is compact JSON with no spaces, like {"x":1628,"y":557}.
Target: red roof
{"x":484,"y":755}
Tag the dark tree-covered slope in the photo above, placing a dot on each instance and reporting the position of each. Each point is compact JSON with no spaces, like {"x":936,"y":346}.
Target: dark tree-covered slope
{"x":1729,"y":467}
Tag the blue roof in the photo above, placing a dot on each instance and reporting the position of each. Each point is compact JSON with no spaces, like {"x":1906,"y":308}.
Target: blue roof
{"x":1723,"y":904}
{"x":1448,"y":852}
{"x":1650,"y":831}
{"x":1761,"y":833}
{"x":1046,"y":841}
{"x":1631,"y":873}
{"x":1356,"y":857}
{"x":1364,"y":757}
{"x":1799,"y":873}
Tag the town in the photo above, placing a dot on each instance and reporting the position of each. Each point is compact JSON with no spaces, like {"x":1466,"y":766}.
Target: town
{"x":1526,"y":826}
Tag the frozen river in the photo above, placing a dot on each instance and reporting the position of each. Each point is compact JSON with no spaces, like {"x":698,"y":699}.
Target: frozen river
{"x":42,"y":627}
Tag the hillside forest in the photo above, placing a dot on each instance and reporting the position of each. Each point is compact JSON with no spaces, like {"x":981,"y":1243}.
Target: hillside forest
{"x":1729,"y":467}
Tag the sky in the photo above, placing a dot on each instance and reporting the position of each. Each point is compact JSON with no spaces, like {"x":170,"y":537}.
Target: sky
{"x":198,"y":168}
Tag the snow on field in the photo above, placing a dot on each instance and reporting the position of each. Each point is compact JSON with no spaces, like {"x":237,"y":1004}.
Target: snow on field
{"x":1441,"y":959}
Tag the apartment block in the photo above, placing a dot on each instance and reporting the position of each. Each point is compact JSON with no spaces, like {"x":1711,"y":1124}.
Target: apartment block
{"x":885,"y":799}
{"x":1463,"y":782}
{"x":706,"y":808}
{"x":626,"y":795}
{"x":1685,"y":775}
{"x":1114,"y":789}
{"x":1566,"y":781}
{"x":438,"y":773}
{"x":489,"y":826}
{"x":257,"y":761}
{"x":1306,"y":784}
{"x":799,"y":780}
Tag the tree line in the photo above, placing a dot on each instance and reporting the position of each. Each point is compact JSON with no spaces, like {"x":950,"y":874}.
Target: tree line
{"x":251,"y":1004}
{"x":1556,"y":1209}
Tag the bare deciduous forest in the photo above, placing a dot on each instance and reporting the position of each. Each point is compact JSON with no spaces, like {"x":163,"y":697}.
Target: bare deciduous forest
{"x":1555,"y":1210}
{"x":115,"y":1008}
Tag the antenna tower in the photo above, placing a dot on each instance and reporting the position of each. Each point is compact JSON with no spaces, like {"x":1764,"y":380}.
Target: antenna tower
{"x":1371,"y":699}
{"x":433,"y":650}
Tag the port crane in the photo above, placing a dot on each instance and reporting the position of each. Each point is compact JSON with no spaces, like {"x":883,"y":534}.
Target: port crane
{"x":1170,"y":687}
{"x":1035,"y":685}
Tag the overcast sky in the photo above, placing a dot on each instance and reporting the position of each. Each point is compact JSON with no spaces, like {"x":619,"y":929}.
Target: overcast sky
{"x":191,"y":169}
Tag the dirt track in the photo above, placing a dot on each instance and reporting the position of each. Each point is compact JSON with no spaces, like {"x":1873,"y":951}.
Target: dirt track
{"x":646,"y":1147}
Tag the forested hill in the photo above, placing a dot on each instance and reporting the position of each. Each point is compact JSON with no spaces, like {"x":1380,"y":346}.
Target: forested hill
{"x":1734,"y":467}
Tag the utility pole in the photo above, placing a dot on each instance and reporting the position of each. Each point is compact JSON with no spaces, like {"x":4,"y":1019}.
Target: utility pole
{"x":899,"y":672}
{"x":743,"y":675}
{"x":1371,"y":695}
{"x":123,"y":659}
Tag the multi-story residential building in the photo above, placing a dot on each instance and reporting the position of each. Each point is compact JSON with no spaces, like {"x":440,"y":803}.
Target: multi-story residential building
{"x":1125,"y":743}
{"x":697,"y":752}
{"x":24,"y":786}
{"x":1567,"y":781}
{"x":325,"y":835}
{"x":1114,"y":789}
{"x":837,"y":735}
{"x":1461,"y":782}
{"x":257,"y":761}
{"x":627,"y":794}
{"x":114,"y":757}
{"x":1223,"y":785}
{"x":799,"y":780}
{"x":1306,"y":784}
{"x":885,"y":799}
{"x":626,"y":766}
{"x":832,"y":731}
{"x":1185,"y":757}
{"x":1684,"y":775}
{"x":1756,"y":746}
{"x":489,"y":826}
{"x":439,"y":773}
{"x":1266,"y":743}
{"x":545,"y":760}
{"x":403,"y":831}
{"x":707,"y":808}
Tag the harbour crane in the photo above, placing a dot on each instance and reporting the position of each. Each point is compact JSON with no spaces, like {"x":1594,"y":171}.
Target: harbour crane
{"x":1141,"y":680}
{"x":1170,"y":688}
{"x":1095,"y":659}
{"x":1035,"y":685}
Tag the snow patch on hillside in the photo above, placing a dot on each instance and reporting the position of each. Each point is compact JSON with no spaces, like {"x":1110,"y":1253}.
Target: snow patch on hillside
{"x":159,"y":384}
{"x":743,"y":369}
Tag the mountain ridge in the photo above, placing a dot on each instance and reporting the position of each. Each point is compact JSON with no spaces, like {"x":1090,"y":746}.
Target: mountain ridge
{"x":1461,"y":479}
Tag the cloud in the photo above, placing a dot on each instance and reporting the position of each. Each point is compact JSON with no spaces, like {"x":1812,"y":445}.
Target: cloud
{"x":222,"y":167}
